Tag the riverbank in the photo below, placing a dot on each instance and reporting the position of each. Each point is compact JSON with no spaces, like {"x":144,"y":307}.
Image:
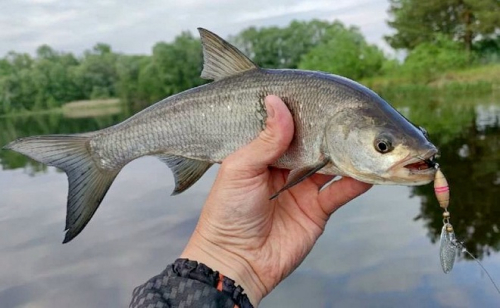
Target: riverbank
{"x":477,"y":80}
{"x":25,"y":112}
{"x":77,"y":109}
{"x":92,"y":108}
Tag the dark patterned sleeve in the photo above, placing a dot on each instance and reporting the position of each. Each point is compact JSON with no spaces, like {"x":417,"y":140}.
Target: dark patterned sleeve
{"x":186,"y":284}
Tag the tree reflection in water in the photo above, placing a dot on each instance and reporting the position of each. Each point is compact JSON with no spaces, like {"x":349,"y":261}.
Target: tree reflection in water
{"x":466,"y":130}
{"x":471,"y":163}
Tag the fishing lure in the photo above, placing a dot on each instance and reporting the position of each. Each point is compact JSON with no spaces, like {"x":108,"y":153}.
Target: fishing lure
{"x":448,"y":248}
{"x":449,"y":245}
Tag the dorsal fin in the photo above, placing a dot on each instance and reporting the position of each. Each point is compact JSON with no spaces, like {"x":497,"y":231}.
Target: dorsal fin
{"x":221,"y":59}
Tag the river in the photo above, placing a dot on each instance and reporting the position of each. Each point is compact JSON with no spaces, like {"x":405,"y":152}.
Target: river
{"x":381,"y":250}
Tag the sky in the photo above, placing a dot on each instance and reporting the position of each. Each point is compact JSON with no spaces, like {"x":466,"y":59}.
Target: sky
{"x":133,"y":27}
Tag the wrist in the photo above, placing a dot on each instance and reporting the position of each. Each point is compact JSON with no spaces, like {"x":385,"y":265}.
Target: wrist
{"x":228,"y":264}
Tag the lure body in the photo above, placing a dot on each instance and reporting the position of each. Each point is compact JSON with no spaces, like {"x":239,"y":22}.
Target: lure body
{"x":448,"y":244}
{"x":441,"y":189}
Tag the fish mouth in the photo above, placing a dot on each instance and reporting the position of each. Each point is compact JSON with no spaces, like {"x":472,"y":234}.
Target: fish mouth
{"x":422,"y":164}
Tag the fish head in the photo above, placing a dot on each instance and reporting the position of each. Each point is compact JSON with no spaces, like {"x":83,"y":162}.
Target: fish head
{"x":379,"y":146}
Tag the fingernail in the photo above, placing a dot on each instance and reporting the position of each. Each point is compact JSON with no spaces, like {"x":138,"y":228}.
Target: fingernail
{"x":270,"y":110}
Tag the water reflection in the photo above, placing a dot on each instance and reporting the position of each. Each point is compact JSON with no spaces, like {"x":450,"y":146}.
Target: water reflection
{"x":15,"y":127}
{"x":372,"y":253}
{"x":471,"y":162}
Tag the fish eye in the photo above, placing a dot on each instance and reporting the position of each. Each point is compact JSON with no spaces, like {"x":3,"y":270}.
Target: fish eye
{"x":383,"y":146}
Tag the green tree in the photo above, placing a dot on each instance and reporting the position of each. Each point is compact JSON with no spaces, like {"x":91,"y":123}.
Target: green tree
{"x":488,"y":49}
{"x":428,"y":60}
{"x":46,"y":52}
{"x":128,"y":69}
{"x":51,"y":75}
{"x":16,"y":84}
{"x":275,"y":47}
{"x":53,"y":78}
{"x":97,"y":72}
{"x":418,"y":21}
{"x":173,"y":67}
{"x":346,"y":53}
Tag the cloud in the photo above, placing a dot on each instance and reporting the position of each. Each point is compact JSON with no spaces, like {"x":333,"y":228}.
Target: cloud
{"x":134,"y":27}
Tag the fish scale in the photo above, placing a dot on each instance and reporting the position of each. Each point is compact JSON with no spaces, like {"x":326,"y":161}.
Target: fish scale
{"x":234,"y":120}
{"x":341,"y":128}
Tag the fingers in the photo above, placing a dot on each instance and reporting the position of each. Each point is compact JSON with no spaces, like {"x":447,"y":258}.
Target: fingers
{"x":271,"y":142}
{"x":321,"y":179}
{"x":340,"y":192}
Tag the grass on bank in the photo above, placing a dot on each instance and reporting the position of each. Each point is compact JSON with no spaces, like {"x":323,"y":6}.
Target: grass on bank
{"x":92,"y":108}
{"x":475,"y":79}
{"x":26,"y":112}
{"x":77,"y":109}
{"x":96,"y":103}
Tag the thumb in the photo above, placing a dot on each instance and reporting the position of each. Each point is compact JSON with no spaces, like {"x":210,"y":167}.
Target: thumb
{"x":271,"y":143}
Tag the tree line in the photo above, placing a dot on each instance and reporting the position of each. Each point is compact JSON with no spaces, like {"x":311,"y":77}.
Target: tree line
{"x":437,"y":36}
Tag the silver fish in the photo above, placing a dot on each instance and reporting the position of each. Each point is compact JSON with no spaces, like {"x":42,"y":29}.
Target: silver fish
{"x":341,"y":127}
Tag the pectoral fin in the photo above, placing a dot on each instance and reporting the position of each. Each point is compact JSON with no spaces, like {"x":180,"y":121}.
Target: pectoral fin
{"x":298,"y":175}
{"x":186,"y":171}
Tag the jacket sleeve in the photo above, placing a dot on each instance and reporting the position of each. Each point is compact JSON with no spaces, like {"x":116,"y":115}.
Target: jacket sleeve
{"x":186,"y":284}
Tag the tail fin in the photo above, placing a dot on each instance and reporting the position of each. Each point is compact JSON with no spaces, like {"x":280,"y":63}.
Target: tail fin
{"x":87,"y":183}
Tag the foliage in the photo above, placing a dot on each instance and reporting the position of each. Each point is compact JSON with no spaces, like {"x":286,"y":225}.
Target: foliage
{"x":428,"y":60}
{"x":487,"y":50}
{"x":275,"y":47}
{"x":51,"y":78}
{"x":476,"y":80}
{"x":172,"y":68}
{"x":346,"y":53}
{"x":314,"y":45}
{"x":96,"y":75}
{"x":418,"y":21}
{"x":129,"y":69}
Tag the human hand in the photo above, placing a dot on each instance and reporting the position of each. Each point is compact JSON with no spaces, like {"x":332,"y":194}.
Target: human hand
{"x":251,"y":239}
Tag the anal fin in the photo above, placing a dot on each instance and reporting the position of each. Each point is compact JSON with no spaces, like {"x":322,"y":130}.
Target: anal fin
{"x":186,"y":171}
{"x":298,"y":175}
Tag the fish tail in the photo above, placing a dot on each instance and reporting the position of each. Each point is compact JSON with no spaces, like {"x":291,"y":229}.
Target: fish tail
{"x":88,"y":183}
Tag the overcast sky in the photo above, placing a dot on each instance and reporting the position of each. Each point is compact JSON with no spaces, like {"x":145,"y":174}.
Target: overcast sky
{"x":135,"y":26}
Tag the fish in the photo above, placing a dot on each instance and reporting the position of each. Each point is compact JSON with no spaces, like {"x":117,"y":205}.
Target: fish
{"x":341,"y":128}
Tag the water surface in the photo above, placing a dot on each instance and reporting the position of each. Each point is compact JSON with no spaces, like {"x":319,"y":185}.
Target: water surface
{"x":379,"y":251}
